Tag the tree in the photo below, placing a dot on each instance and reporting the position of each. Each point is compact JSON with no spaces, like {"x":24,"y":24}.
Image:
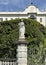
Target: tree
{"x":35,"y":34}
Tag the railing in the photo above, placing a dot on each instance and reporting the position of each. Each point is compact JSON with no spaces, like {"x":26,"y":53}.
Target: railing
{"x":8,"y":61}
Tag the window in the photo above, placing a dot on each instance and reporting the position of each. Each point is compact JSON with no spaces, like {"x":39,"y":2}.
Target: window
{"x":32,"y":17}
{"x":6,"y":19}
{"x":40,"y":19}
{"x":1,"y":19}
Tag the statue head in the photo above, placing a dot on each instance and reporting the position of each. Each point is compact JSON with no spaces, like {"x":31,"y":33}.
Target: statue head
{"x":21,"y":23}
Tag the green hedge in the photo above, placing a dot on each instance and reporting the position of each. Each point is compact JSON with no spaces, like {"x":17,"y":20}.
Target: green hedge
{"x":8,"y":35}
{"x":35,"y":34}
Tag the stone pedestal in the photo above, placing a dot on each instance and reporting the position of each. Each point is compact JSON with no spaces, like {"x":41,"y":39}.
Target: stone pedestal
{"x":22,"y":53}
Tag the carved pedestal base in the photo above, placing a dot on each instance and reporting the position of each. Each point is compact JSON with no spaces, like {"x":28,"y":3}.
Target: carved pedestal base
{"x":22,"y":53}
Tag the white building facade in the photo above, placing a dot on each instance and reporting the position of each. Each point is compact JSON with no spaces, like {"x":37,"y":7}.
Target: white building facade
{"x":30,"y":12}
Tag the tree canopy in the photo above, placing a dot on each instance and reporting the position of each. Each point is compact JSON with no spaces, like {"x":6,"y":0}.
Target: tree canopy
{"x":35,"y":34}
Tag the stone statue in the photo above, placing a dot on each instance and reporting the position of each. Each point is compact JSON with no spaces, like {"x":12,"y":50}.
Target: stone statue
{"x":21,"y":30}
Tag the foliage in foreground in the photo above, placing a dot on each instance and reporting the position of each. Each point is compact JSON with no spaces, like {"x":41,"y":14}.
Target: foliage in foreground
{"x":8,"y":35}
{"x":35,"y":34}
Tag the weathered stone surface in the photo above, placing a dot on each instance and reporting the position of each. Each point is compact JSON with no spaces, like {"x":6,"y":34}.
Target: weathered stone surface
{"x":21,"y":31}
{"x":21,"y":53}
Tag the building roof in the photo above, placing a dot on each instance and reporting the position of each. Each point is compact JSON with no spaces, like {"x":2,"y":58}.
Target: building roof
{"x":30,"y":9}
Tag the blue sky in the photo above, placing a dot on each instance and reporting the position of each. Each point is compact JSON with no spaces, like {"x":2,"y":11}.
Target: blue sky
{"x":20,"y":5}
